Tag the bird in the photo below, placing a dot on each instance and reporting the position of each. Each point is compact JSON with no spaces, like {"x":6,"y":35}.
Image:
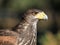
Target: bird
{"x":26,"y":31}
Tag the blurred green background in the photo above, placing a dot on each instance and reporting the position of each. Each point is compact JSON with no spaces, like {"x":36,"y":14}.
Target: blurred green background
{"x":48,"y":31}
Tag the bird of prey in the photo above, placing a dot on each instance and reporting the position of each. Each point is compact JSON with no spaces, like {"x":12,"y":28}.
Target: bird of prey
{"x":26,"y":31}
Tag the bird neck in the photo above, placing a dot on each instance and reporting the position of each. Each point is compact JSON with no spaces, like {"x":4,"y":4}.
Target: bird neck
{"x":31,"y":21}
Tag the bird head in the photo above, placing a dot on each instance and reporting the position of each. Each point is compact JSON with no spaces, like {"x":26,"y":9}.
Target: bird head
{"x":38,"y":14}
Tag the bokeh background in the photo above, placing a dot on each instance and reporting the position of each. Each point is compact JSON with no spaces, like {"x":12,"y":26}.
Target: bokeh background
{"x":48,"y":32}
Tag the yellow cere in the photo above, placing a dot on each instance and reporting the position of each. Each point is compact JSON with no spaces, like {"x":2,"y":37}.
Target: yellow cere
{"x":40,"y":15}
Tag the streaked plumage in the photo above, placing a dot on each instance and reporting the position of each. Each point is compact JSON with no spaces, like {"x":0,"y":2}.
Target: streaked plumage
{"x":26,"y":30}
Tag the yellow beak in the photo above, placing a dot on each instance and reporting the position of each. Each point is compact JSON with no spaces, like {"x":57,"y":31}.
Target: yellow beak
{"x":41,"y":15}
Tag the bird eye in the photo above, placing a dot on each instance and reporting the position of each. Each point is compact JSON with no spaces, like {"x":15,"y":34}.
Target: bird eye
{"x":36,"y":12}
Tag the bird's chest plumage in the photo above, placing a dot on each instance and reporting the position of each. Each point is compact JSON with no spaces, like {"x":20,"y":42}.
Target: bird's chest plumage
{"x":27,"y":34}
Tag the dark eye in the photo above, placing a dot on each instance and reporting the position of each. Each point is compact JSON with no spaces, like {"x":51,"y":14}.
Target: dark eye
{"x":36,"y":12}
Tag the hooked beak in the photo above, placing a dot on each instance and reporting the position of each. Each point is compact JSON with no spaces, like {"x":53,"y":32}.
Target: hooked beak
{"x":41,"y":15}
